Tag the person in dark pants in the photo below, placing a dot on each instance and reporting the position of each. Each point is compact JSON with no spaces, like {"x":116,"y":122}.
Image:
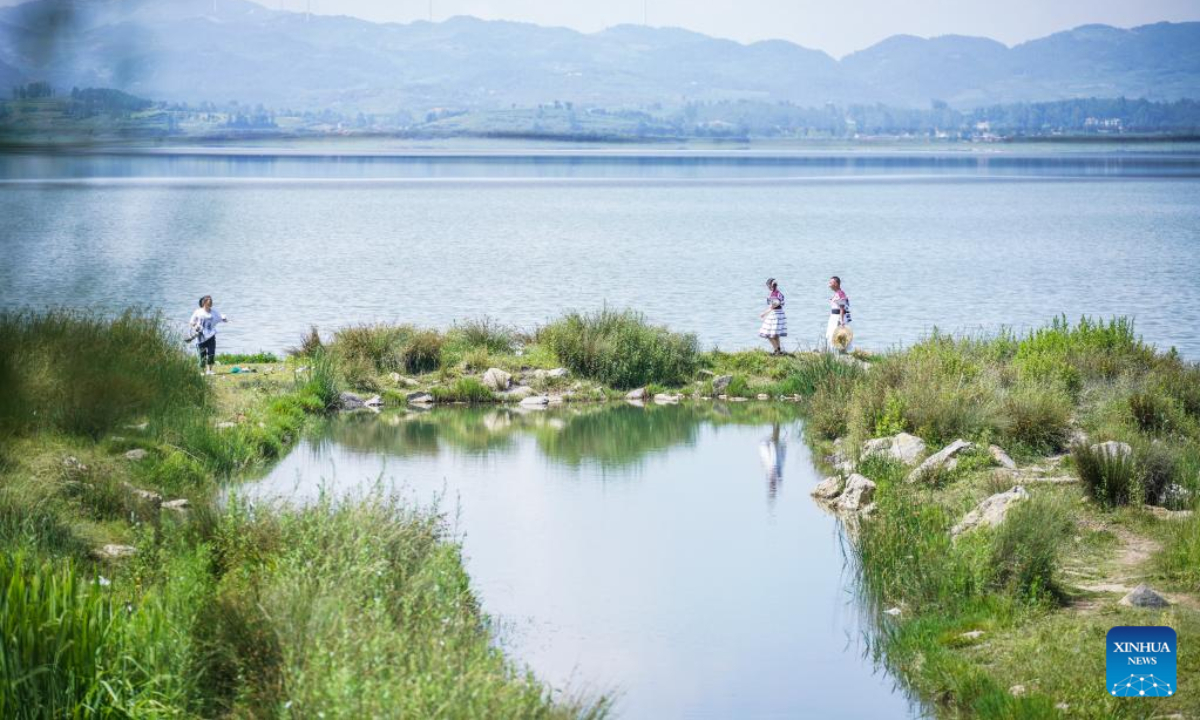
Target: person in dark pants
{"x":204,"y":328}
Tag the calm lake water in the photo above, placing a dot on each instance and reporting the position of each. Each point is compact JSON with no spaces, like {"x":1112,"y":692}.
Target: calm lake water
{"x":968,"y":241}
{"x":671,"y":556}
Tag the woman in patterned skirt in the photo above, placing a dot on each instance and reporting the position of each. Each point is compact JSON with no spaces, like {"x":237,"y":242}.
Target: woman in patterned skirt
{"x":774,"y":325}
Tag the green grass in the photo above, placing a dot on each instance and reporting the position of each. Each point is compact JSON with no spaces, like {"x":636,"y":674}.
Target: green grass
{"x":621,"y":349}
{"x":247,"y":358}
{"x":463,"y":390}
{"x":337,"y":610}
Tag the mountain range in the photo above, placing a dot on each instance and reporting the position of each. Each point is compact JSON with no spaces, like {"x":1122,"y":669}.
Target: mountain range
{"x":201,"y":50}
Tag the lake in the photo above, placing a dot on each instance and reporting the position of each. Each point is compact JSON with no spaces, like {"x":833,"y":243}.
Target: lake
{"x":670,"y":556}
{"x":968,"y":240}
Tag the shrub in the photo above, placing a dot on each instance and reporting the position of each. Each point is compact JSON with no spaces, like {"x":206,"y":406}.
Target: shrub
{"x":320,"y":382}
{"x":738,"y":387}
{"x":484,"y":333}
{"x":376,"y":346}
{"x":1025,"y":548}
{"x":1110,"y":479}
{"x":1036,"y":417}
{"x":309,"y":343}
{"x":809,"y":375}
{"x":621,"y":349}
{"x":1156,"y":466}
{"x":83,"y":373}
{"x":423,"y":353}
{"x":466,"y":389}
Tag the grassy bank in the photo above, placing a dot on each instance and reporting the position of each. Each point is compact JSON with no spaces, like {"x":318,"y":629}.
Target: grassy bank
{"x":1009,"y":621}
{"x":126,"y":590}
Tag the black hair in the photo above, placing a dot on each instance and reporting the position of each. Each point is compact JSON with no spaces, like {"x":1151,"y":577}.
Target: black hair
{"x":771,"y":283}
{"x":835,"y":277}
{"x":203,"y":298}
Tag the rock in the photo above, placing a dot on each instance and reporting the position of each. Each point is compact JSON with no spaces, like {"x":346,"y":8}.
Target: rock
{"x":1113,"y":450}
{"x":535,"y":401}
{"x":1002,"y":459}
{"x":666,"y":399}
{"x":972,"y":635}
{"x":1077,"y":437}
{"x":557,"y":373}
{"x":893,"y":611}
{"x":394,"y":377}
{"x":520,"y":392}
{"x":1062,"y":706}
{"x":496,"y":379}
{"x":349,"y":401}
{"x":140,"y":427}
{"x":1016,"y":690}
{"x":72,"y":463}
{"x":859,"y":491}
{"x":944,"y":459}
{"x":373,"y":401}
{"x":828,"y":489}
{"x":136,"y":454}
{"x":1164,"y":514}
{"x":114,"y":552}
{"x":991,"y":511}
{"x":419,"y":398}
{"x":1142,"y":596}
{"x":225,"y":425}
{"x":901,"y":447}
{"x":1176,"y":496}
{"x":762,"y":396}
{"x":638,"y":394}
{"x":721,"y":384}
{"x":144,"y":495}
{"x":180,"y":505}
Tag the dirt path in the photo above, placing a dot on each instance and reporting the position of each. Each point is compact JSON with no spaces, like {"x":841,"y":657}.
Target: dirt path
{"x":1128,"y":567}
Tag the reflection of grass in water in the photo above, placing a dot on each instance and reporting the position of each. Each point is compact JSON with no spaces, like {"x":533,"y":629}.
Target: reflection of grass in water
{"x":611,"y":435}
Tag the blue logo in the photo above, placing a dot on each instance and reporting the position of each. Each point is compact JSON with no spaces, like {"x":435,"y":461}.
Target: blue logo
{"x":1141,"y":661}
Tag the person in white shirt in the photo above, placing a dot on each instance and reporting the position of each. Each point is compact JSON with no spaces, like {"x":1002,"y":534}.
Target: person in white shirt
{"x":204,"y":328}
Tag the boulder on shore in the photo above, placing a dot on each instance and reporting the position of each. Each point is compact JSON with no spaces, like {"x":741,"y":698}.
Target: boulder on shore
{"x":944,"y":459}
{"x":349,"y":401}
{"x":148,"y":496}
{"x":721,"y":383}
{"x":136,"y":454}
{"x":990,"y":512}
{"x":901,"y":447}
{"x":536,"y":401}
{"x":636,"y":394}
{"x":828,"y":489}
{"x":857,"y":494}
{"x":520,"y":392}
{"x":497,"y":380}
{"x":419,"y":398}
{"x":113,"y":552}
{"x":557,"y":373}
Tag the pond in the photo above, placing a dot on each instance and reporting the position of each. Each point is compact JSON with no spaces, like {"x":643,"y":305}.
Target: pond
{"x":668,"y":555}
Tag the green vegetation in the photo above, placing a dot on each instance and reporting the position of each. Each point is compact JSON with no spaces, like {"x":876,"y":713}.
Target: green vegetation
{"x":1015,"y":583}
{"x":114,"y":605}
{"x":621,"y":349}
{"x":257,"y":358}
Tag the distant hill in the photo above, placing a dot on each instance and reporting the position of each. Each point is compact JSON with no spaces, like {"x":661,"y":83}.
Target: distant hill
{"x":181,"y":50}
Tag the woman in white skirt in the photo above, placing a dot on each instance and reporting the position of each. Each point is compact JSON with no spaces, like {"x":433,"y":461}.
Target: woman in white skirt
{"x":839,"y":313}
{"x":774,"y":325}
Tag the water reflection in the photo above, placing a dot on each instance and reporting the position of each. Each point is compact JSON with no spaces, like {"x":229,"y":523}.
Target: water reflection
{"x":634,"y":550}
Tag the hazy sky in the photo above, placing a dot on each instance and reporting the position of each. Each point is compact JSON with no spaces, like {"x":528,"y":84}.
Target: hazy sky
{"x":835,"y":26}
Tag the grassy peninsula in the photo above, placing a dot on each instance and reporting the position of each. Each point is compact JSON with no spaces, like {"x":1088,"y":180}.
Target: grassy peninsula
{"x":120,"y":600}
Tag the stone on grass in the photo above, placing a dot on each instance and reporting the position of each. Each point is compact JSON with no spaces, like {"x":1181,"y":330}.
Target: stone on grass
{"x":1142,"y":596}
{"x":349,"y":401}
{"x":144,"y":495}
{"x":114,"y":552}
{"x":557,"y":373}
{"x":496,"y":379}
{"x":857,"y":494}
{"x":419,"y":398}
{"x":535,"y":401}
{"x":893,"y":611}
{"x":136,"y":454}
{"x":666,"y":399}
{"x":373,"y":401}
{"x":1016,"y":690}
{"x":1002,"y":459}
{"x":1113,"y":450}
{"x":990,"y":512}
{"x":637,"y":394}
{"x":901,"y":447}
{"x":721,"y":384}
{"x":179,"y":505}
{"x":226,"y":425}
{"x":972,"y":635}
{"x":828,"y":489}
{"x":944,"y":459}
